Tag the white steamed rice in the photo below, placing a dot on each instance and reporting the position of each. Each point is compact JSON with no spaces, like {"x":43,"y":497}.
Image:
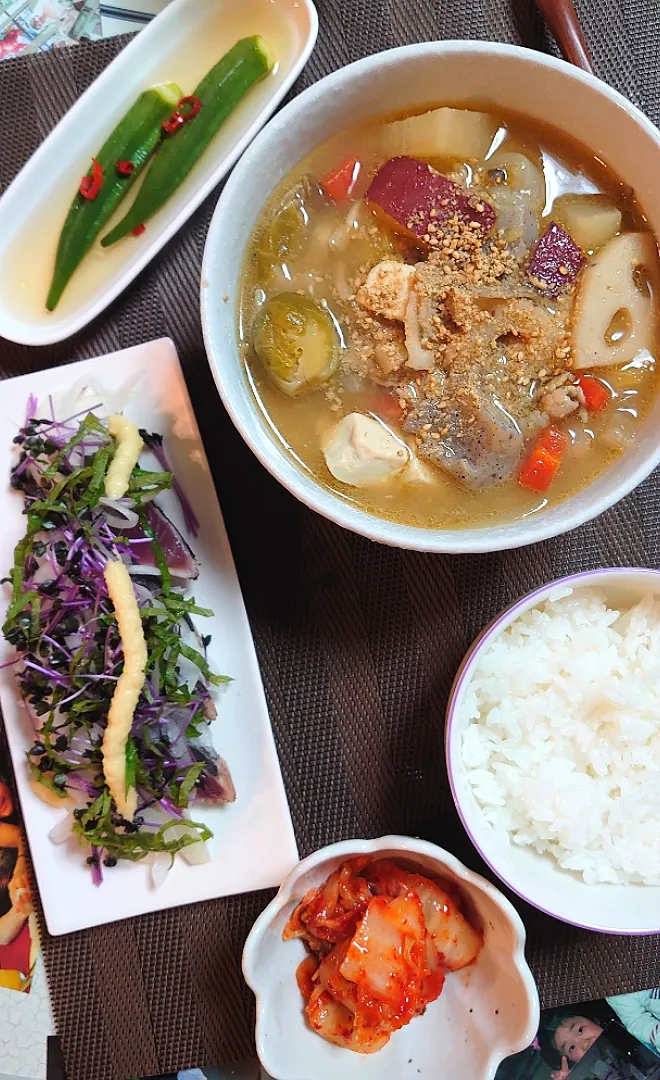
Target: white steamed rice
{"x":562,"y":743}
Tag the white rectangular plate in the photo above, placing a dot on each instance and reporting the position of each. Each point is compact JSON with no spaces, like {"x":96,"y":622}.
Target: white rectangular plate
{"x":253,"y":845}
{"x":180,"y":45}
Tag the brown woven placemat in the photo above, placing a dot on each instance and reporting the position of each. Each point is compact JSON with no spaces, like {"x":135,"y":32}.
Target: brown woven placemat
{"x":358,"y":643}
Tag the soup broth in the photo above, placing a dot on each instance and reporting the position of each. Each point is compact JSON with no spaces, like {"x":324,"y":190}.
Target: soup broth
{"x":475,"y":332}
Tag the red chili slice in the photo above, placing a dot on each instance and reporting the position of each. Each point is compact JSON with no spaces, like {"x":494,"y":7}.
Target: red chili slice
{"x":138,"y":230}
{"x":125,"y":168}
{"x":91,"y":185}
{"x":194,"y":106}
{"x":175,"y":121}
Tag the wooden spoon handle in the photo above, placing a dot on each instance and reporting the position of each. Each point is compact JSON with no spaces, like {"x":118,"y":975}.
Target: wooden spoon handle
{"x":561,"y":17}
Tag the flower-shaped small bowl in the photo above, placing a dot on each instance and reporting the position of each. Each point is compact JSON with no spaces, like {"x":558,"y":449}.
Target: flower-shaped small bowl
{"x":485,"y":1012}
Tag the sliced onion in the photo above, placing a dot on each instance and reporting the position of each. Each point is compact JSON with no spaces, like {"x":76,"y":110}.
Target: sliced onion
{"x":196,"y":854}
{"x":619,"y":431}
{"x":161,"y":864}
{"x":348,"y":226}
{"x":86,"y":392}
{"x":136,"y":570}
{"x":119,"y":514}
{"x":193,"y":854}
{"x":146,"y":596}
{"x":341,"y":283}
{"x":61,"y":832}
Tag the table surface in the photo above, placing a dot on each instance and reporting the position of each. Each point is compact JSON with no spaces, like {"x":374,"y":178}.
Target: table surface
{"x":358,"y":643}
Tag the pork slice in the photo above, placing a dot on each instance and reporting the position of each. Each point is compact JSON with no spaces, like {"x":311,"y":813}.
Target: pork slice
{"x":466,"y":432}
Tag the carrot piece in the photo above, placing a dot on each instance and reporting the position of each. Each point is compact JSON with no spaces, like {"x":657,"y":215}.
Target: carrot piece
{"x":339,"y":183}
{"x":385,"y":405}
{"x":544,"y":459}
{"x":596,"y":393}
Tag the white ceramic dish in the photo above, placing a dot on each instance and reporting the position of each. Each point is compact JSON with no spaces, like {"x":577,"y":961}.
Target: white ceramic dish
{"x":484,"y":1013}
{"x":460,"y":72}
{"x":253,"y":845}
{"x":612,"y":909}
{"x":180,"y":45}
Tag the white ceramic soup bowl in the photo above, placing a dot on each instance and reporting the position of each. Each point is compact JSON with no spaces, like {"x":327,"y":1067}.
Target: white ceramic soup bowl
{"x":460,"y":72}
{"x":485,"y":1012}
{"x":538,"y":879}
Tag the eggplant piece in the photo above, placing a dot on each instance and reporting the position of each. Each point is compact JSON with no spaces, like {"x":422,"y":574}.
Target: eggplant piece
{"x":179,"y":556}
{"x":556,"y":261}
{"x":416,"y":199}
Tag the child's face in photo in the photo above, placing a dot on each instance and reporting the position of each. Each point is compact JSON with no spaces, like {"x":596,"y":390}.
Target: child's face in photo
{"x":575,"y":1035}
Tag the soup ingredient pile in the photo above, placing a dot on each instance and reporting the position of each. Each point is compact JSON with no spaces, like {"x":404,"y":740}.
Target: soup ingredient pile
{"x":454,"y":321}
{"x":381,"y":941}
{"x":109,"y":662}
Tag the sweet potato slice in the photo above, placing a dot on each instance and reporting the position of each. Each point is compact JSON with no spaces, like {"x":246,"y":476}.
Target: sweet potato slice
{"x":556,"y":261}
{"x":416,"y":199}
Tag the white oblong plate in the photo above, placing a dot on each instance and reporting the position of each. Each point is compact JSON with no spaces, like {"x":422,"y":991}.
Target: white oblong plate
{"x":253,"y":844}
{"x":180,"y":46}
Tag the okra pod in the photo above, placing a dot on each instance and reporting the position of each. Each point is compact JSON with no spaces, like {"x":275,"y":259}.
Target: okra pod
{"x":217,"y":95}
{"x":130,"y":146}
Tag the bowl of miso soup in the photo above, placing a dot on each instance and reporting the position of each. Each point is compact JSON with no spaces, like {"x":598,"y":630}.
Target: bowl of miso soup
{"x":431,"y":297}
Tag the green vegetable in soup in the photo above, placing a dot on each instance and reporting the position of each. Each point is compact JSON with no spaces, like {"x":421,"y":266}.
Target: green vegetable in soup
{"x":284,"y":236}
{"x":297,"y":341}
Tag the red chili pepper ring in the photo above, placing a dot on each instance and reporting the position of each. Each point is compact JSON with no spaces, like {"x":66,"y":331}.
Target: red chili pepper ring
{"x":173,"y":124}
{"x":125,"y":168}
{"x":192,"y":104}
{"x":90,"y":185}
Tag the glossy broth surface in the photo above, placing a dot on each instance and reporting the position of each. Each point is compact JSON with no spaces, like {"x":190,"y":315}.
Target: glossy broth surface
{"x":330,"y":272}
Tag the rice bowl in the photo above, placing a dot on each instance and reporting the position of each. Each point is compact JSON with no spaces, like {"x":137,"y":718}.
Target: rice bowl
{"x":553,"y":749}
{"x":561,"y":743}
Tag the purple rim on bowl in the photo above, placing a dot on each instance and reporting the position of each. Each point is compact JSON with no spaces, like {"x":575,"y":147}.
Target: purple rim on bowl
{"x":462,"y":678}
